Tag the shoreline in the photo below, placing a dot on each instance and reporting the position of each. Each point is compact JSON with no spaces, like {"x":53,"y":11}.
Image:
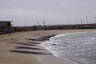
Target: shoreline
{"x":58,"y":59}
{"x":32,"y":53}
{"x":72,"y":60}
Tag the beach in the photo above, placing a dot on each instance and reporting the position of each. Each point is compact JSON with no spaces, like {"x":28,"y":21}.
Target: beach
{"x":24,"y":47}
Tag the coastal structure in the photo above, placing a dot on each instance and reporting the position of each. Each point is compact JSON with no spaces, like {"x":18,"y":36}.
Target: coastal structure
{"x":5,"y":26}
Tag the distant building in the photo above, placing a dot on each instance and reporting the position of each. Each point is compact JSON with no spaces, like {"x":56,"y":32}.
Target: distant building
{"x":5,"y":26}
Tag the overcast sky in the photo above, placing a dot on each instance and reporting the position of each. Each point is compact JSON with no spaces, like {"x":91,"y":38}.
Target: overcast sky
{"x":31,"y":12}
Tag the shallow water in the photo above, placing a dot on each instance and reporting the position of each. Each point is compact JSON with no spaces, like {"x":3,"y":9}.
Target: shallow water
{"x":78,"y":47}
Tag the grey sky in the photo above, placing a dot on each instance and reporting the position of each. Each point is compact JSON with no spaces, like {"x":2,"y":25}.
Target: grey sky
{"x":29,"y":12}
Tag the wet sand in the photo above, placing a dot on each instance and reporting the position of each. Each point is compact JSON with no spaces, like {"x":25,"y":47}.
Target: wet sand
{"x":23,"y":47}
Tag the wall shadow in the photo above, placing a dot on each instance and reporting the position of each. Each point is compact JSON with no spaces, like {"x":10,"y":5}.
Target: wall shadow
{"x":24,"y":47}
{"x":30,"y":52}
{"x":34,"y":42}
{"x":44,"y":38}
{"x":27,"y":44}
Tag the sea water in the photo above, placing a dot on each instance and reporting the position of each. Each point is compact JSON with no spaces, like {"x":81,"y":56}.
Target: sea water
{"x":78,"y":47}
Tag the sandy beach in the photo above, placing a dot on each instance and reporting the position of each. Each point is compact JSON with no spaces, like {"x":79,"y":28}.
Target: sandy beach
{"x":23,"y":47}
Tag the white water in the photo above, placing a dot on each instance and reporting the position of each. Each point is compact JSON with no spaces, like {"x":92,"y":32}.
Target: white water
{"x":80,"y":47}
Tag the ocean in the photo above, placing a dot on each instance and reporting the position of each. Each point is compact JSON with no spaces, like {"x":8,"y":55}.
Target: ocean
{"x":79,"y":47}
